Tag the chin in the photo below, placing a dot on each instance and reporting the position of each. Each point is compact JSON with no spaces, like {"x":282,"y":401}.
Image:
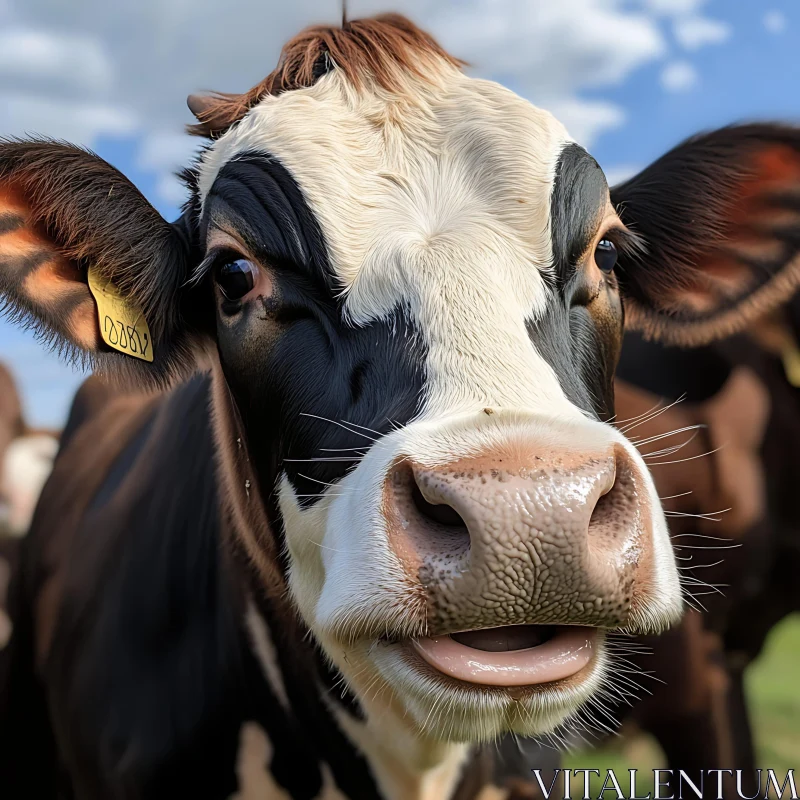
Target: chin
{"x":452,"y":694}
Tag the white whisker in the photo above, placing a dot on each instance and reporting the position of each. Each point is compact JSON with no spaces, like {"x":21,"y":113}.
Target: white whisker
{"x":341,"y":425}
{"x":673,"y":496}
{"x":658,"y":437}
{"x":683,"y":460}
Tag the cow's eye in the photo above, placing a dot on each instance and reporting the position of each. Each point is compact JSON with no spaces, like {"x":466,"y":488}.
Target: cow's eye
{"x":605,"y":255}
{"x":235,"y":278}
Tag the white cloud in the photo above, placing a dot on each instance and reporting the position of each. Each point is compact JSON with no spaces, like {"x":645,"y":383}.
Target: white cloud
{"x":92,"y":68}
{"x":128,"y":69}
{"x":27,"y":53}
{"x":586,"y":119}
{"x":165,"y":147}
{"x":550,"y":46}
{"x":162,"y":152}
{"x":775,"y":21}
{"x":618,"y":173}
{"x":169,"y":189}
{"x":674,"y":7}
{"x":678,"y":76}
{"x":76,"y":121}
{"x":693,"y":32}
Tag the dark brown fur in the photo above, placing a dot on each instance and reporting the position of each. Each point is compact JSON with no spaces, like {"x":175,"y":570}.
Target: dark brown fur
{"x":365,"y":49}
{"x":728,"y":249}
{"x":12,"y":423}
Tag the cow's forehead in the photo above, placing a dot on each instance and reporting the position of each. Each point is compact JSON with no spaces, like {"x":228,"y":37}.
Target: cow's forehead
{"x":450,"y":157}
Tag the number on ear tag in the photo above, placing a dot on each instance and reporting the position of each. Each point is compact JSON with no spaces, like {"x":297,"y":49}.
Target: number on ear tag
{"x":122,"y":323}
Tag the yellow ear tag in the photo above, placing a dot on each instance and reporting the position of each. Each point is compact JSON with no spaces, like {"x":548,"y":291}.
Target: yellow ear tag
{"x":791,"y":365}
{"x":122,"y":323}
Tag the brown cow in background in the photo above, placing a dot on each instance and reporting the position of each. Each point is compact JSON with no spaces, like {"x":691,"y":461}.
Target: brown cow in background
{"x":26,"y":457}
{"x":728,"y":478}
{"x":12,"y":423}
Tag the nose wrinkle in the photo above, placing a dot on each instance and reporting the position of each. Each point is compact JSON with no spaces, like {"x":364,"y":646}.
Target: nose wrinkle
{"x":552,"y":544}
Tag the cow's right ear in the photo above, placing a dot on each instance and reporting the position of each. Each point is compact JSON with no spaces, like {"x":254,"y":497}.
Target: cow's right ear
{"x":65,"y":214}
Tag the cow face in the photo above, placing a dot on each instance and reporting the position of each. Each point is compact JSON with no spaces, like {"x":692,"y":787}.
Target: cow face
{"x":412,"y":283}
{"x":420,"y":343}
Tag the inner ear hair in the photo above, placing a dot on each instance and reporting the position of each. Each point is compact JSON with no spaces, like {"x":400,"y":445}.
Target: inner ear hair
{"x":719,"y":220}
{"x":64,"y":209}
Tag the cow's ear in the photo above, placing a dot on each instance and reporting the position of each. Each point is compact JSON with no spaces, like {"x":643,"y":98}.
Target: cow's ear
{"x":718,"y":220}
{"x":67,"y":216}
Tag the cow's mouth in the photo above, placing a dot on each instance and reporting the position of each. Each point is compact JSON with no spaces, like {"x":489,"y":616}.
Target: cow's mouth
{"x":516,"y":655}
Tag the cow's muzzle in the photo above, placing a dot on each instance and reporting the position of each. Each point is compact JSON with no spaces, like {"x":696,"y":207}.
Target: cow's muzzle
{"x":545,"y":539}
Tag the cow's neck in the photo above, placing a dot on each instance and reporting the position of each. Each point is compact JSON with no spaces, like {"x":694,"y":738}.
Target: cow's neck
{"x":403,"y":764}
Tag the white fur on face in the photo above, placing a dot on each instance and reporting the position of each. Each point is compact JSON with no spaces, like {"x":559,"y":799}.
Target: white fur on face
{"x":439,"y":204}
{"x":436,"y":200}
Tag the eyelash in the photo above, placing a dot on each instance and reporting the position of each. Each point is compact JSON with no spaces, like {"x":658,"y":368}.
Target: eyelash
{"x":626,"y":242}
{"x":213,"y":259}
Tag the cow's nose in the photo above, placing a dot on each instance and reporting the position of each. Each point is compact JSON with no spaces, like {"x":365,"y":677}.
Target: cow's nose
{"x":541,"y":540}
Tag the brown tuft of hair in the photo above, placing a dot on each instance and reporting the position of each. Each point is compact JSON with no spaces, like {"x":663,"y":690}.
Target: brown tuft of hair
{"x":373,"y":48}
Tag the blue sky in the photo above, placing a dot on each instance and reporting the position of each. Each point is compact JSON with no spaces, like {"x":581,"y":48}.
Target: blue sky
{"x":753,"y":74}
{"x":631,"y":81}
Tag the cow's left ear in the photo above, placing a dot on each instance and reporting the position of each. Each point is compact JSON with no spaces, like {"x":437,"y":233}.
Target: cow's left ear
{"x":718,"y":219}
{"x":89,"y":263}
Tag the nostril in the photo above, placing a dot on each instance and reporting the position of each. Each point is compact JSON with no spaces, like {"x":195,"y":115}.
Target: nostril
{"x":616,"y":503}
{"x":440,"y":513}
{"x":603,"y":512}
{"x":429,"y":536}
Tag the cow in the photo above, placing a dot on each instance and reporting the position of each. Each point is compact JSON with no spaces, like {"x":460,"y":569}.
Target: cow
{"x":26,"y":457}
{"x":12,"y":423}
{"x":729,"y":472}
{"x":370,"y":511}
{"x":11,"y":426}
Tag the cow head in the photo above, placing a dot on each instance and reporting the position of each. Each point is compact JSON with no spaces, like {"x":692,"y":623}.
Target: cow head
{"x":410,"y":284}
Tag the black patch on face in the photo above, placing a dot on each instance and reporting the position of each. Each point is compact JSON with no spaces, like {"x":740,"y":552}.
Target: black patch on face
{"x":256,"y":195}
{"x":582,"y":353}
{"x":580,"y":345}
{"x":579,"y":197}
{"x":313,"y":390}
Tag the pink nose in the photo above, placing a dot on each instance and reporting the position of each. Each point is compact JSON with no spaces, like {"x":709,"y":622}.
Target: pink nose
{"x":491,"y":542}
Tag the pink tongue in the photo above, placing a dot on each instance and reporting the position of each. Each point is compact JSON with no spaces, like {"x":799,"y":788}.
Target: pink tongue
{"x":490,"y":662}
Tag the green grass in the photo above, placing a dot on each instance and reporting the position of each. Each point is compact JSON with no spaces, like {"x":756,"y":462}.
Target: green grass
{"x":773,"y":690}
